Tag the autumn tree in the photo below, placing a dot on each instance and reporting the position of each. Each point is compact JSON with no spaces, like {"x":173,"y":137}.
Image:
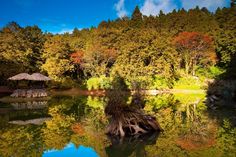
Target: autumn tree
{"x":194,"y":48}
{"x":77,"y":61}
{"x":20,"y":49}
{"x":98,"y":60}
{"x":56,"y":57}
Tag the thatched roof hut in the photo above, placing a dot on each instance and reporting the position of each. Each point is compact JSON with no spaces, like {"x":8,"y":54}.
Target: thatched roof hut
{"x":39,"y":77}
{"x":21,"y":76}
{"x":33,"y":77}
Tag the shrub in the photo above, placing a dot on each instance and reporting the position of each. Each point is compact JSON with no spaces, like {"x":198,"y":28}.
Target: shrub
{"x":148,"y":82}
{"x":160,"y":101}
{"x":63,"y":83}
{"x":211,"y":72}
{"x":189,"y":82}
{"x":160,"y":82}
{"x":101,"y":82}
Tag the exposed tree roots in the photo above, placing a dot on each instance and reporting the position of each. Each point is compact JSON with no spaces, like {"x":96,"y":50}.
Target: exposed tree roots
{"x":129,"y":120}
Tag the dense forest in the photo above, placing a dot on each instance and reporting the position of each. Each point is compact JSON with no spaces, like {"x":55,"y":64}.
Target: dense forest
{"x":152,"y":52}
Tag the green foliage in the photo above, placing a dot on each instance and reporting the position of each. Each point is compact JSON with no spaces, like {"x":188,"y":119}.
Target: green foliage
{"x":191,"y":98}
{"x":160,"y":102}
{"x":93,"y":83}
{"x":189,"y":82}
{"x":211,"y":72}
{"x":161,"y":83}
{"x":99,"y":83}
{"x":226,"y":138}
{"x":95,"y":102}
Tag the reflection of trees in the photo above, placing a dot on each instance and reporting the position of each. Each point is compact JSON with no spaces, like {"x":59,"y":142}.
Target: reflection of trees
{"x":57,"y":132}
{"x":21,"y":141}
{"x":90,"y":129}
{"x":188,"y":130}
{"x":91,"y":138}
{"x":183,"y":122}
{"x":79,"y":120}
{"x":226,"y":141}
{"x":130,"y":146}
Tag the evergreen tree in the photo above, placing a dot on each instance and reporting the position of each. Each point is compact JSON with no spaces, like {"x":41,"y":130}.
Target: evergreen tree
{"x":137,"y":15}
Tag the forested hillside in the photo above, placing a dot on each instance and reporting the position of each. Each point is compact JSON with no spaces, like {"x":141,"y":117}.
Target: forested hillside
{"x":151,"y":51}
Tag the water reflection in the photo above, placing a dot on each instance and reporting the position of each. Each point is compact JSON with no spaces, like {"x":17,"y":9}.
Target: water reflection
{"x":31,"y":105}
{"x":189,"y":129}
{"x":129,"y":146}
{"x":72,"y":151}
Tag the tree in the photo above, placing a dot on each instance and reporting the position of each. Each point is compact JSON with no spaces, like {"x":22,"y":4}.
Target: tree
{"x":137,"y":15}
{"x":56,"y":57}
{"x":77,"y":60}
{"x":20,"y":49}
{"x":225,"y":37}
{"x":33,"y":39}
{"x":194,"y":47}
{"x":98,"y":60}
{"x":233,"y":3}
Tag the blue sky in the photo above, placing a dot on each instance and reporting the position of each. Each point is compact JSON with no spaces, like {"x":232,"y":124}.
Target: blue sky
{"x":59,"y":16}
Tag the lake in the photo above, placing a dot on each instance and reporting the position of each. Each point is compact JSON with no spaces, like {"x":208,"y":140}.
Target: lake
{"x":75,"y":126}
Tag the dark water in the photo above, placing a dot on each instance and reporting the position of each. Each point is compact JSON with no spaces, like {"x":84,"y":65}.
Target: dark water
{"x":74,"y":126}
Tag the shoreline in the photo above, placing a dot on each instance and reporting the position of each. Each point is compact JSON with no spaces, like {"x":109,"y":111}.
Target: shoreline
{"x":76,"y":91}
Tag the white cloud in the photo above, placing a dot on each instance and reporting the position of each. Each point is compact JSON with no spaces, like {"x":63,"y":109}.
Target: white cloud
{"x":120,"y":8}
{"x":64,"y":30}
{"x":153,"y":7}
{"x":211,"y":5}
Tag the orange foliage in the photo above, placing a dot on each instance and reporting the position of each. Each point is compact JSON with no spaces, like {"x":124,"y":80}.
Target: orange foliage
{"x":193,"y":41}
{"x":108,"y":53}
{"x":77,"y":57}
{"x":78,"y":129}
{"x":195,"y":142}
{"x":198,"y":46}
{"x":198,"y":141}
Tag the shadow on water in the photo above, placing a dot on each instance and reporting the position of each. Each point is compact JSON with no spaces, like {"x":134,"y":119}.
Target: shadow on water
{"x":221,"y":95}
{"x":130,"y":145}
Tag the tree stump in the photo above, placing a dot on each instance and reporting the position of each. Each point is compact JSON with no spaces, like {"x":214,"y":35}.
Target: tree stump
{"x":128,"y":120}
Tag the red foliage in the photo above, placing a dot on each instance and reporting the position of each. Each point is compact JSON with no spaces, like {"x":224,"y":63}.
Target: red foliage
{"x":193,"y":41}
{"x":77,"y":57}
{"x":106,"y":53}
{"x":195,"y":142}
{"x":78,"y":129}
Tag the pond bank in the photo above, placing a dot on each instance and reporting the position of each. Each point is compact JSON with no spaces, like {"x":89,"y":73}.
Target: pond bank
{"x":77,"y":91}
{"x":80,"y":92}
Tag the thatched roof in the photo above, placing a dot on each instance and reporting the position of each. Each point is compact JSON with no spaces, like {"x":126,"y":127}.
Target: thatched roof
{"x":21,"y":76}
{"x":39,"y":77}
{"x":33,"y":77}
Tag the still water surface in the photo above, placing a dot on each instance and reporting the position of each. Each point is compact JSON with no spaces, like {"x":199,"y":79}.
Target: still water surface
{"x":74,"y":126}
